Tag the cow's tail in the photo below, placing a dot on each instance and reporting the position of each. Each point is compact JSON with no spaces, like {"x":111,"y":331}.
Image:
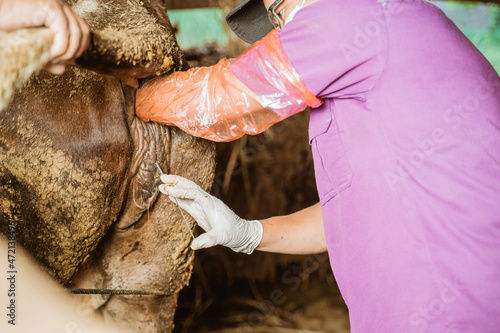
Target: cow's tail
{"x":22,"y":53}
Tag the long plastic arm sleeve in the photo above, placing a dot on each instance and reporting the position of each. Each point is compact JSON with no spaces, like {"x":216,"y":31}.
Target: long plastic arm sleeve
{"x":232,"y":98}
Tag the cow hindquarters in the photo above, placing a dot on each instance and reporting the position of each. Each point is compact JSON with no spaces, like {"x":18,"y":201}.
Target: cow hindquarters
{"x":148,"y":249}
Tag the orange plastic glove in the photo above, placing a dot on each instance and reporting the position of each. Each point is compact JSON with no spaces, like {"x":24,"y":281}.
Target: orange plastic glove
{"x":216,"y":102}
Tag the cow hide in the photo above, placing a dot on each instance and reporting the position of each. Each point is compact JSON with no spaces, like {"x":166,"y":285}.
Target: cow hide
{"x":78,"y":175}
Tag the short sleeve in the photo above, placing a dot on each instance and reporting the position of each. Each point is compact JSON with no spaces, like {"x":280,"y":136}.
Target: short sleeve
{"x":337,"y":47}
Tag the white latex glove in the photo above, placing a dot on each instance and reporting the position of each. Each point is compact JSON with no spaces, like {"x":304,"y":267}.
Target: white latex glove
{"x":222,"y":225}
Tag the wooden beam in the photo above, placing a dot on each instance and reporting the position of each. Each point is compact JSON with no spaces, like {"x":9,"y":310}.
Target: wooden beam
{"x":187,"y":4}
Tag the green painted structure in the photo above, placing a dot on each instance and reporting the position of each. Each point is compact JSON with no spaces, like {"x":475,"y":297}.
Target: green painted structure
{"x":480,"y":22}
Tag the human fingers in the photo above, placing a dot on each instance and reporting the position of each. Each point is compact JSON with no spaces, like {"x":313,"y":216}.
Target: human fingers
{"x":204,"y":200}
{"x":57,"y":22}
{"x":56,"y":69}
{"x":170,"y":179}
{"x":206,"y":240}
{"x":178,"y":181}
{"x":181,"y":193}
{"x":192,"y":199}
{"x":75,"y":35}
{"x":85,"y":40}
{"x":185,"y":200}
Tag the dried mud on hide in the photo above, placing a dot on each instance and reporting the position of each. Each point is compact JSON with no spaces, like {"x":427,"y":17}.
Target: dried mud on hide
{"x":261,"y":176}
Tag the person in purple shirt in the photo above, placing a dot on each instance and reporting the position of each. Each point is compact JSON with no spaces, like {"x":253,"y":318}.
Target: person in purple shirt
{"x":405,"y":134}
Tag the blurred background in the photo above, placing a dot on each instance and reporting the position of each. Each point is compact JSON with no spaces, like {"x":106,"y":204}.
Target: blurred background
{"x":272,"y":174}
{"x":197,"y":27}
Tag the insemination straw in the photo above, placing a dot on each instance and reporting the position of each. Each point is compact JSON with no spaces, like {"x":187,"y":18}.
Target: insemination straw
{"x":177,"y":203}
{"x":182,"y":213}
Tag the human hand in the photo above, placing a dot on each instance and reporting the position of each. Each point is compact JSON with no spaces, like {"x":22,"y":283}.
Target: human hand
{"x":71,"y":33}
{"x":222,"y":225}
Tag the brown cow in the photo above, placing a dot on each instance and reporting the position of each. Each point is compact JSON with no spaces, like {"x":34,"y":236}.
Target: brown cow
{"x":78,"y":175}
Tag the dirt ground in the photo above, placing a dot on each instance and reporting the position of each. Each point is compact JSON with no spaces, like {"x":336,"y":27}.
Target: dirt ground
{"x":266,"y":175}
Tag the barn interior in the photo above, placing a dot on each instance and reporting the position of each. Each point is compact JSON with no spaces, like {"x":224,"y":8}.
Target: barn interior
{"x":268,"y":175}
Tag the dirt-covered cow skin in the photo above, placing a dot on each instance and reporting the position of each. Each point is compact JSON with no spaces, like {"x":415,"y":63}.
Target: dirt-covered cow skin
{"x":78,"y":174}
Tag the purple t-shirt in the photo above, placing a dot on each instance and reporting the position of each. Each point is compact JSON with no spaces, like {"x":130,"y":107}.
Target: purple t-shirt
{"x":407,"y":161}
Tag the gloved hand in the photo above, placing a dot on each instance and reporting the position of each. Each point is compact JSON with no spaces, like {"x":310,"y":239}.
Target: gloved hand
{"x":222,"y":225}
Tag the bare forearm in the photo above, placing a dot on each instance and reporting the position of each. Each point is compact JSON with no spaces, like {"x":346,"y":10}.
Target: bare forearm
{"x":298,"y":233}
